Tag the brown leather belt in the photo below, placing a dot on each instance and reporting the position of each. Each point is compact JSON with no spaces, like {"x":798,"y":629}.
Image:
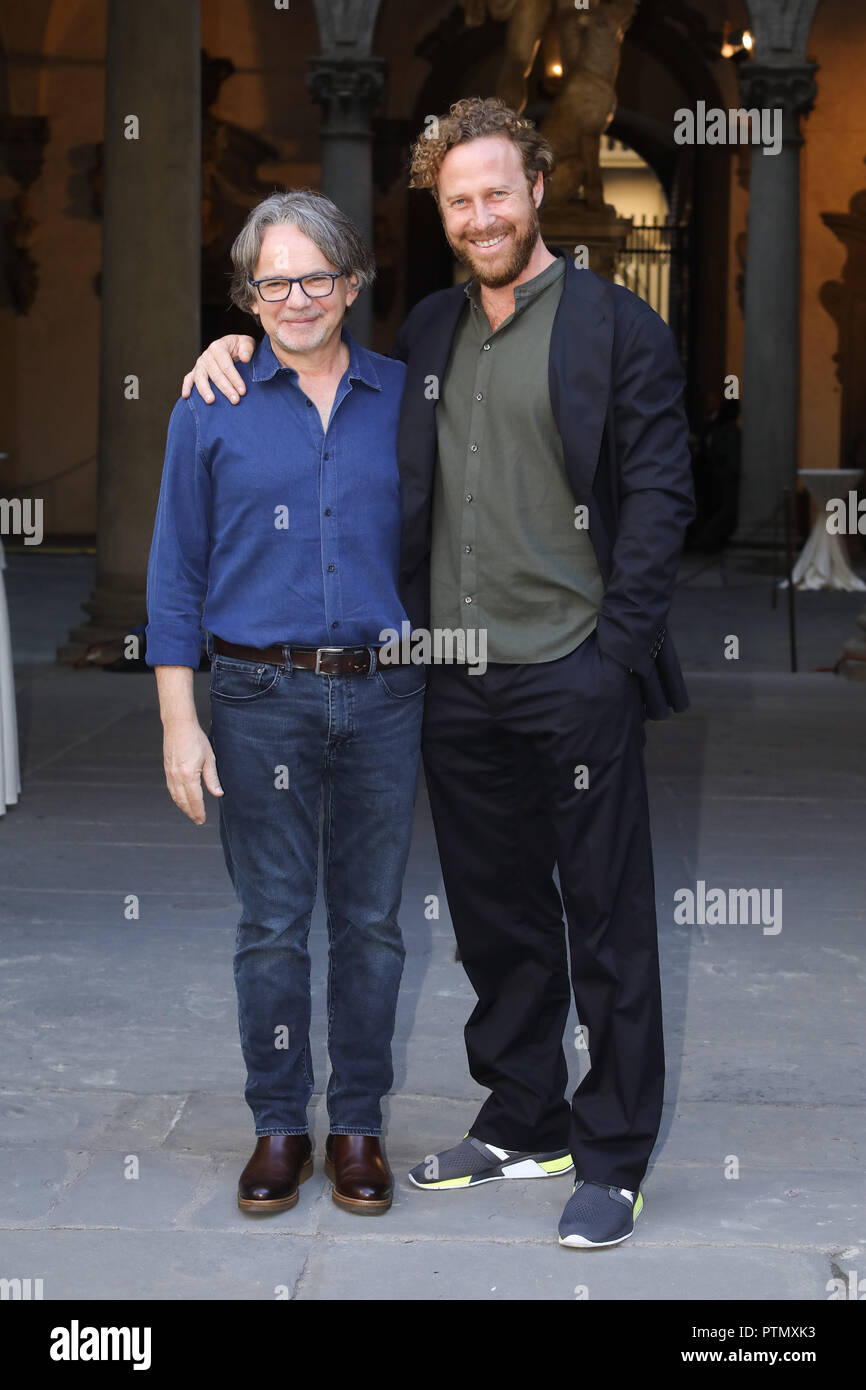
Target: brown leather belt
{"x":325,"y":661}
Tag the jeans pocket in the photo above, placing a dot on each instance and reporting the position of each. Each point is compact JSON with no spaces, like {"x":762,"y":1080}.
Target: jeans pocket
{"x":401,"y":682}
{"x":237,"y":681}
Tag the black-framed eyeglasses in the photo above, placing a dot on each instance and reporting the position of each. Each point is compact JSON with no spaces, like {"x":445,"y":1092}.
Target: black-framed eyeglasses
{"x":276,"y":287}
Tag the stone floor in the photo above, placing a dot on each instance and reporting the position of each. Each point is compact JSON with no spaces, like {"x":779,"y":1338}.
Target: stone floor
{"x":122,"y":1124}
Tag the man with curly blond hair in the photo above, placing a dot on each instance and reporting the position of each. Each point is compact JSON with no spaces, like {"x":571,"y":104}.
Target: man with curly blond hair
{"x":546,"y":490}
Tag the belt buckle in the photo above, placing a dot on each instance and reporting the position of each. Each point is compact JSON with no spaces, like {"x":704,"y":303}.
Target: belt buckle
{"x":319,"y":651}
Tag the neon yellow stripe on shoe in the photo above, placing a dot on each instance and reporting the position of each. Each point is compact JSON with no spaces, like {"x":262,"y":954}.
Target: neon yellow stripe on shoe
{"x":557,"y":1165}
{"x":449,"y":1182}
{"x":638,"y":1206}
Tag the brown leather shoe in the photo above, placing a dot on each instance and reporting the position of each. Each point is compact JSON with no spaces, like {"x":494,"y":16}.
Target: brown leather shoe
{"x":357,"y":1167}
{"x":269,"y":1183}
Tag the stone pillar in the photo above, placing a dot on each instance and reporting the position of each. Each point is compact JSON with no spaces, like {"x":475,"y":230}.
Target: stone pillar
{"x":771,"y":355}
{"x":778,"y":76}
{"x":149,"y":286}
{"x":348,"y":83}
{"x":347,"y":90}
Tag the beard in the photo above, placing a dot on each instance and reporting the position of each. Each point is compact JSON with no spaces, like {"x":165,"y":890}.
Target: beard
{"x":521,"y":251}
{"x":317,"y":335}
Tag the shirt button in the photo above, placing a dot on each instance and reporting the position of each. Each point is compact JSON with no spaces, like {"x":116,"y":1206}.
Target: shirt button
{"x":467,"y":600}
{"x":327,"y":511}
{"x":473,"y":448}
{"x":335,"y":624}
{"x":331,"y":568}
{"x":469,"y":497}
{"x":486,"y":347}
{"x":309,"y":402}
{"x":478,"y":396}
{"x":327,"y":456}
{"x":468,"y":549}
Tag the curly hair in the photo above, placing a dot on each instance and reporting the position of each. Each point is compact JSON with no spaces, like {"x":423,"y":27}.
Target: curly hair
{"x":470,"y":119}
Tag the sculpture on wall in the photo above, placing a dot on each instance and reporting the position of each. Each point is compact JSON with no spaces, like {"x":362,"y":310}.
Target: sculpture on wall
{"x":231,"y":156}
{"x":590,"y":39}
{"x":845,"y":301}
{"x":22,"y":144}
{"x":231,"y":185}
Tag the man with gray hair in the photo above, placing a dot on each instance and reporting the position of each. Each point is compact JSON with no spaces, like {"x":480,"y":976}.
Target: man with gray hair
{"x":547,"y":489}
{"x":278,"y":532}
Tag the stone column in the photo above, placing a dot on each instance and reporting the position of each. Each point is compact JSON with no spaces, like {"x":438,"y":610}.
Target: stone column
{"x":149,"y":286}
{"x":348,"y":83}
{"x":347,"y":89}
{"x":771,"y":355}
{"x":779,"y":76}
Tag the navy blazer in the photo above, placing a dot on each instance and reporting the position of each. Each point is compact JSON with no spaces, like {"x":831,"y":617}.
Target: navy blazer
{"x":616,"y":389}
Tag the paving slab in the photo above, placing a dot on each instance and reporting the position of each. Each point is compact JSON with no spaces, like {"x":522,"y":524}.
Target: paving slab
{"x":701,"y":1205}
{"x":125,"y":1189}
{"x":764,"y":1136}
{"x":472,"y":1270}
{"x":176,"y":1265}
{"x":30,"y":1183}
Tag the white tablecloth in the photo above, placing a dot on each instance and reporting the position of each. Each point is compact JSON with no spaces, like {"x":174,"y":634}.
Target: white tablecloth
{"x":823,"y":563}
{"x":10,"y":773}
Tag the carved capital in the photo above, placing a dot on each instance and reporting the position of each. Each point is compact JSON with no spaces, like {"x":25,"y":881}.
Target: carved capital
{"x":358,"y":82}
{"x":791,"y":89}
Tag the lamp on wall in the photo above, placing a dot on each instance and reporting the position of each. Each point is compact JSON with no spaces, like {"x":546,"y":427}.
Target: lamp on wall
{"x":551,"y":64}
{"x":737,"y":43}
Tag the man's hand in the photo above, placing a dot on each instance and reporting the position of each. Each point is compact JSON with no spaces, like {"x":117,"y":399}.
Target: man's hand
{"x":216,"y":365}
{"x":187,"y":757}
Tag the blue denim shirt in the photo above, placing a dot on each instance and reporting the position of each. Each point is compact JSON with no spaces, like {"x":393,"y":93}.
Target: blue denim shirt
{"x":284,"y":531}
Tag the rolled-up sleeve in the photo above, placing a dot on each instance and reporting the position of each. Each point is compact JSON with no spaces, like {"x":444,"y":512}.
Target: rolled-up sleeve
{"x":177,"y":570}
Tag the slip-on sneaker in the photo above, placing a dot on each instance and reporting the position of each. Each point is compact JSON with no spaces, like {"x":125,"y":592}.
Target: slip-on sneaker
{"x":596,"y":1215}
{"x":472,"y":1162}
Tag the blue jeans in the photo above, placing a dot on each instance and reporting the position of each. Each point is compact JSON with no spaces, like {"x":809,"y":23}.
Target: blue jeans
{"x":282,"y":737}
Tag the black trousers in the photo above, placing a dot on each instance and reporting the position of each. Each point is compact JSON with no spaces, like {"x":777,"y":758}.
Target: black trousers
{"x":528,"y":767}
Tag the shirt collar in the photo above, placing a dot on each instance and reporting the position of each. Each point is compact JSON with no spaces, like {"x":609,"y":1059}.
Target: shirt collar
{"x":266,"y":364}
{"x":530,"y":288}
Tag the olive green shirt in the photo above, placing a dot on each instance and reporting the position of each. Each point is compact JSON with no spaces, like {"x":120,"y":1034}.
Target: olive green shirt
{"x":510,"y":551}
